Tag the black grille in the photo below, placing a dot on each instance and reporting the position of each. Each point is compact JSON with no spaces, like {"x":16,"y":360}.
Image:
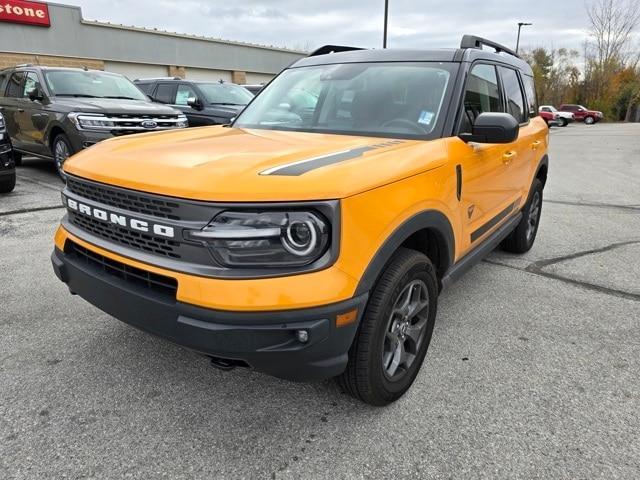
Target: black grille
{"x":117,"y":234}
{"x":166,"y":286}
{"x":125,"y":199}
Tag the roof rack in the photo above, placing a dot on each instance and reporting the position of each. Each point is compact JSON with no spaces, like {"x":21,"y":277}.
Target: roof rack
{"x":471,"y":41}
{"x":22,"y":65}
{"x":332,"y":49}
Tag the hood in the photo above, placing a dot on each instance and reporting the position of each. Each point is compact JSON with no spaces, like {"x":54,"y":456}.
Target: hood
{"x":112,"y":106}
{"x":231,"y":164}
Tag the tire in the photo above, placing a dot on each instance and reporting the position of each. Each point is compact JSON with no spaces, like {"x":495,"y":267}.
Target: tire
{"x":589,"y":120}
{"x":563,"y":122}
{"x":524,"y":235}
{"x":375,"y":373}
{"x":62,"y":150}
{"x":17,"y":158}
{"x":7,"y":183}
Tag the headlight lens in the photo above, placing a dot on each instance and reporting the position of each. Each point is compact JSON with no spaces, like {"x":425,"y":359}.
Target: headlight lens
{"x":91,"y":121}
{"x":265,"y":239}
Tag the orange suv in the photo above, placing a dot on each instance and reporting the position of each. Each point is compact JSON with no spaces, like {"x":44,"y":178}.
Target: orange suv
{"x":310,"y":239}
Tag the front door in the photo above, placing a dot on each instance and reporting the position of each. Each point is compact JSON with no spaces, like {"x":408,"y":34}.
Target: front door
{"x":32,"y":117}
{"x":486,"y":195}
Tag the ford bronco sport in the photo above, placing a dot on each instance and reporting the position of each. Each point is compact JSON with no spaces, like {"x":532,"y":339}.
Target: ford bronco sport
{"x":311,"y":237}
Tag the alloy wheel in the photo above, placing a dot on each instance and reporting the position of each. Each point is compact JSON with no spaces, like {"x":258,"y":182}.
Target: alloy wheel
{"x":534,"y":215}
{"x":61,"y":153}
{"x":405,"y":330}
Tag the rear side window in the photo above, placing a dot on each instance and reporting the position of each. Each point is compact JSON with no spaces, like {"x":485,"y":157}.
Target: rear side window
{"x":14,"y":88}
{"x":165,"y":92}
{"x":513,"y":94}
{"x":482,"y":94}
{"x":530,"y":92}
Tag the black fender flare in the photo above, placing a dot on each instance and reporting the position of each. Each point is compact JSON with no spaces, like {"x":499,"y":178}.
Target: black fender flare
{"x":544,"y":162}
{"x":434,"y":220}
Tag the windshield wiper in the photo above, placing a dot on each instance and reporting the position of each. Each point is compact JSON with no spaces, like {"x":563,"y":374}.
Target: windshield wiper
{"x":80,"y":95}
{"x":120,"y":97}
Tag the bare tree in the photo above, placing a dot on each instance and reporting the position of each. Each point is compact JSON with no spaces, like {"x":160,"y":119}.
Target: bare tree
{"x":612,"y":25}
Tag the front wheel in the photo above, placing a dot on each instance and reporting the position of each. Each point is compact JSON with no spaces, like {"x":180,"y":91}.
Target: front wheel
{"x":589,"y":120}
{"x":522,"y":238}
{"x":7,"y":183}
{"x":62,"y":150}
{"x":395,"y":331}
{"x":563,"y":122}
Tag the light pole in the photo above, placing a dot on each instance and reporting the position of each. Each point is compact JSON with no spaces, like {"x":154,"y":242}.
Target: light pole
{"x":386,"y":18}
{"x":520,"y":25}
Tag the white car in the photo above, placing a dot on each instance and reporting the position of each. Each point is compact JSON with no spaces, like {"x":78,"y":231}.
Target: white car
{"x":564,"y":118}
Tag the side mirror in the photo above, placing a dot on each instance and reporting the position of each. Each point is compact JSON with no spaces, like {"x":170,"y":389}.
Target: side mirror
{"x":492,"y":127}
{"x":195,"y":103}
{"x":35,"y":94}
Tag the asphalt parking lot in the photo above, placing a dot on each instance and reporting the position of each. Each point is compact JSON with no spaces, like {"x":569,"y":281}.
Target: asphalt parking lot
{"x":532,"y":371}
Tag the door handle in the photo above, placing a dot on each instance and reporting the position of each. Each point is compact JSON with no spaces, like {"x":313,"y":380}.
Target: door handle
{"x":20,"y":110}
{"x":508,"y":157}
{"x":535,"y":145}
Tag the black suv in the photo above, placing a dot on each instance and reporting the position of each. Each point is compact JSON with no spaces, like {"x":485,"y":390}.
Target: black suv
{"x":7,"y":167}
{"x":55,"y":112}
{"x":204,"y":103}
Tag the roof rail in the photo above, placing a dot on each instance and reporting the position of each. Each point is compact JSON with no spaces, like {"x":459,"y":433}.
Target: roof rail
{"x":332,"y":49}
{"x":21,"y":65}
{"x":471,"y":41}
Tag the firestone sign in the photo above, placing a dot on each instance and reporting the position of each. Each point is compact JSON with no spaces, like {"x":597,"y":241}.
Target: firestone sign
{"x":21,"y":11}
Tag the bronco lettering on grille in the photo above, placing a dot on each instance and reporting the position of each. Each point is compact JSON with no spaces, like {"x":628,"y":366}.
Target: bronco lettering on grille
{"x":120,"y":220}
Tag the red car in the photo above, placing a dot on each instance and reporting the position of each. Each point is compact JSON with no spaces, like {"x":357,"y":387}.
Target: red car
{"x":582,"y":114}
{"x":550,"y":117}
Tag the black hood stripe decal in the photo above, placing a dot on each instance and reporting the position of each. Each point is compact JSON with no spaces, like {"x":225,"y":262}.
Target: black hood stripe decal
{"x":303,"y":166}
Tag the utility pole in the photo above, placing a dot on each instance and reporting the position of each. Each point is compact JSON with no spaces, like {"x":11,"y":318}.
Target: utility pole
{"x":520,"y":25}
{"x":386,"y":19}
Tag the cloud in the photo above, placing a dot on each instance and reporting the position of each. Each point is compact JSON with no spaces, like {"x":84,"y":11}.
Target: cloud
{"x":297,"y":24}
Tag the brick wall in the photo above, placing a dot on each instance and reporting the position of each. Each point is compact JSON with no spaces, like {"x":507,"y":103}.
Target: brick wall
{"x":177,"y":71}
{"x":13,"y":59}
{"x":239,"y":77}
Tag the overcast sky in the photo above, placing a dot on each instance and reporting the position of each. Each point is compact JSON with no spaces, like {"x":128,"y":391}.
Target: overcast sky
{"x":305,"y":24}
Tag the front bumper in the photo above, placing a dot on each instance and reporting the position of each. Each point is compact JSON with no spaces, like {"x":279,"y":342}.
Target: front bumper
{"x":265,"y":341}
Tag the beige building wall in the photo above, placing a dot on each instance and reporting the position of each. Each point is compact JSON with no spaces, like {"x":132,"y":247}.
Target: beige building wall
{"x":13,"y":59}
{"x":207,"y":75}
{"x":258,"y":78}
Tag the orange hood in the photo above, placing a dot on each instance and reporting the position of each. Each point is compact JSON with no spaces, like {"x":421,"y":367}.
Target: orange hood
{"x":230,"y":164}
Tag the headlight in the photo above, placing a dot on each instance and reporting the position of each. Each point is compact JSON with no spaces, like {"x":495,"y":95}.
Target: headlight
{"x":182,"y":121}
{"x":88,"y":121}
{"x":2,"y":126}
{"x":265,"y":239}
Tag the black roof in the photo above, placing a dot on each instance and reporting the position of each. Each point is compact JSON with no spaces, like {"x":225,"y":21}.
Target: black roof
{"x":471,"y":50}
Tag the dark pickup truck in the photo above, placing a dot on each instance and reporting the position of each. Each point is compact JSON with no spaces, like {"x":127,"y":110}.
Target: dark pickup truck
{"x":7,"y":166}
{"x":56,"y":112}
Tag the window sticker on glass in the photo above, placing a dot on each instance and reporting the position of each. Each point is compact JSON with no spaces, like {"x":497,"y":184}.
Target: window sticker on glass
{"x":425,"y":117}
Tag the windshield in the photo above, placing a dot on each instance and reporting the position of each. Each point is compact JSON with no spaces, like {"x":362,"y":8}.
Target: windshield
{"x":399,"y":99}
{"x":72,"y":83}
{"x":225,"y":94}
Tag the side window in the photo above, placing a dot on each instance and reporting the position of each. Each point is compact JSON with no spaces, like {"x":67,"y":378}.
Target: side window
{"x":14,"y":86}
{"x":183,"y":94}
{"x":165,"y":92}
{"x":3,"y":82}
{"x":145,"y":87}
{"x":530,"y":91}
{"x":30,"y":83}
{"x":481,"y":95}
{"x":513,"y":94}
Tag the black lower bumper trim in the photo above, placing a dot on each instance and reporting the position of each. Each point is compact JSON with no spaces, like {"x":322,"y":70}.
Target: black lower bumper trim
{"x":266,"y":341}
